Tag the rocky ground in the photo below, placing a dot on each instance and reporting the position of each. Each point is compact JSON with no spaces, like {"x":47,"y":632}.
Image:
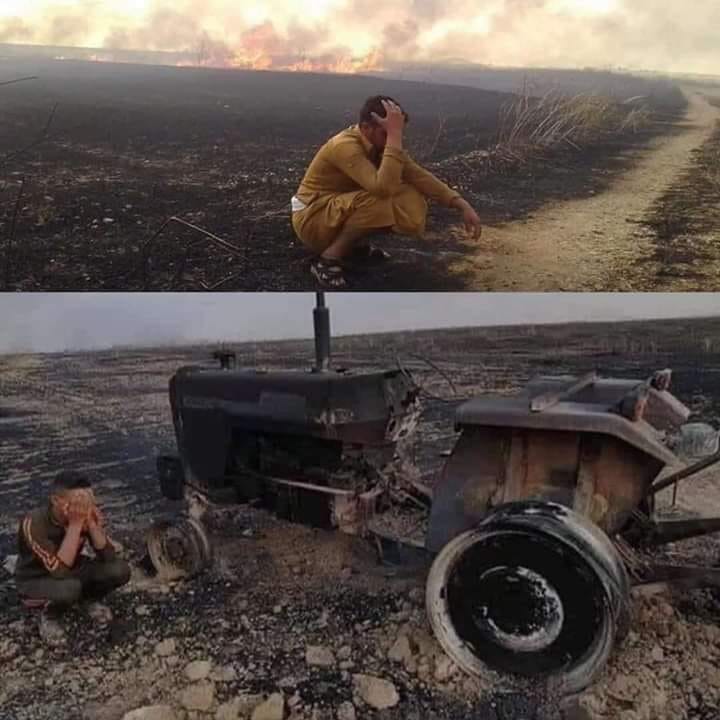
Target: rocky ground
{"x":296,"y":623}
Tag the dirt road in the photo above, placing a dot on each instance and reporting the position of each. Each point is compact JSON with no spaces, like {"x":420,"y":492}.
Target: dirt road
{"x":593,"y":243}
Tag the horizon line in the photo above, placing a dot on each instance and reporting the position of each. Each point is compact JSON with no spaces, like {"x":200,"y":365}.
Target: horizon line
{"x":306,"y":338}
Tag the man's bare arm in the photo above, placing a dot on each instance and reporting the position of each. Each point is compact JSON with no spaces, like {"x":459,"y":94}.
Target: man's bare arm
{"x":78,"y":513}
{"x":470,"y":218}
{"x":70,"y":546}
{"x":98,"y":537}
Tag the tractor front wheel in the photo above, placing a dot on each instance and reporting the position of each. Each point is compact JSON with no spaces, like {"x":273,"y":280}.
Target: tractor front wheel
{"x":178,"y":549}
{"x":535,"y":590}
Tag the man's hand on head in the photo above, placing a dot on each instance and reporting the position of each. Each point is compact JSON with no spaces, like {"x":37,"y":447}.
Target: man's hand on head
{"x":394,"y":120}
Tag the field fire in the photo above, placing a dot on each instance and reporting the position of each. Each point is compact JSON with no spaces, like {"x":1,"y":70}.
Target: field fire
{"x":99,"y":156}
{"x":253,"y":55}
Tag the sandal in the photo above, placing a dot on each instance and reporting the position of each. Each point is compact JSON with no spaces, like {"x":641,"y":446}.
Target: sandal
{"x":329,"y":273}
{"x":370,"y":253}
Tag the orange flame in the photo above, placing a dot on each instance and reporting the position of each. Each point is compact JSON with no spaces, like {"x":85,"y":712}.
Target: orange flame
{"x":260,"y":48}
{"x":263,"y":48}
{"x":343,"y":64}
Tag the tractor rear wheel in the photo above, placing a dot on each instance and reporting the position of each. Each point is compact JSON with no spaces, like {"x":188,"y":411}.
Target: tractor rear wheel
{"x":535,"y":590}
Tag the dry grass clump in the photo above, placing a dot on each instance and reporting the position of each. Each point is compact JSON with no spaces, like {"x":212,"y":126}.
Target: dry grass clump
{"x":530,"y":126}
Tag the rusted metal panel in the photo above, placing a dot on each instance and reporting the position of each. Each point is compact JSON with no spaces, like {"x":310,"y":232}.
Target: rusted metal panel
{"x":549,"y":468}
{"x":471,"y":482}
{"x":500,"y":411}
{"x":552,"y":397}
{"x":623,"y":475}
{"x":516,"y":465}
{"x":598,"y":475}
{"x":590,"y":449}
{"x":663,"y":410}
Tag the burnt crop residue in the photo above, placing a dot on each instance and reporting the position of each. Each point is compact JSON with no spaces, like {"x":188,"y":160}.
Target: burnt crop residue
{"x":684,"y":225}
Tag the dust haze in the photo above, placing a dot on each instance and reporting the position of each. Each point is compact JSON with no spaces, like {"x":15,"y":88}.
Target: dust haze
{"x":40,"y":322}
{"x":360,"y":35}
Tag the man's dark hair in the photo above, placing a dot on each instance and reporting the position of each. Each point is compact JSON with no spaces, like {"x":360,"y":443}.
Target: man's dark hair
{"x":70,"y":480}
{"x":374,"y":104}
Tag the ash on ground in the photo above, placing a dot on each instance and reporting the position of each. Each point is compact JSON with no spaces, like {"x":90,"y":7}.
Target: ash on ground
{"x":298,"y":623}
{"x":293,"y":622}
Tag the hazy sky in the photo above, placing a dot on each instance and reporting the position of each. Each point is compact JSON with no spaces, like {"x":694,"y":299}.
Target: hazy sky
{"x":53,"y":322}
{"x":655,"y":34}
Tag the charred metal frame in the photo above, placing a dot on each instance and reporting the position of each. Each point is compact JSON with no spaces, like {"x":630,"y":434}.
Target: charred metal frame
{"x":315,"y":446}
{"x":310,"y":445}
{"x":594,"y":445}
{"x":543,"y":505}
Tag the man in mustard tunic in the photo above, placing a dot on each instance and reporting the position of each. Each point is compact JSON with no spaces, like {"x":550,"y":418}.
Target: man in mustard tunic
{"x":362,"y":181}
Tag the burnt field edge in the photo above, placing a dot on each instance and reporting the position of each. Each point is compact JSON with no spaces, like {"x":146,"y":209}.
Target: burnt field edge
{"x":135,"y":171}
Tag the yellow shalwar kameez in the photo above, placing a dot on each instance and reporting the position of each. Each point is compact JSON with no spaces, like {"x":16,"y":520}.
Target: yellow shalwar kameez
{"x":350,"y":185}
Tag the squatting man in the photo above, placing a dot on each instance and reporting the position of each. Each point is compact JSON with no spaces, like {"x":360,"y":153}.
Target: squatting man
{"x":361,"y":182}
{"x":52,"y":572}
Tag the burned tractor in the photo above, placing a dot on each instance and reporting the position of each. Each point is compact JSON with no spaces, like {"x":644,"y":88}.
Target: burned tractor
{"x":310,"y":445}
{"x":536,"y":525}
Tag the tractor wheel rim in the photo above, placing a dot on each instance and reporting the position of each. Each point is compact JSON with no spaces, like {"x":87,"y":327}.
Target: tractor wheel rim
{"x":518,"y":609}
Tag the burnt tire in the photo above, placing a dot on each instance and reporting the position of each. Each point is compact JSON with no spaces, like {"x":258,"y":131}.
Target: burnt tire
{"x":178,"y":549}
{"x":536,"y":590}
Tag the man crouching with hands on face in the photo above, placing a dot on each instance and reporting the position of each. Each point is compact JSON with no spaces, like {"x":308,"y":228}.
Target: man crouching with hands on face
{"x":363,"y":181}
{"x":50,"y":570}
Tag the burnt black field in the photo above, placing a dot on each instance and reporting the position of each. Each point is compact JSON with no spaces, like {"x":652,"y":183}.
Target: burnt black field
{"x":106,"y":153}
{"x":108,"y":413}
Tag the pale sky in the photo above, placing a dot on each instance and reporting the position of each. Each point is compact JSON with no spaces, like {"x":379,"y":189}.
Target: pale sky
{"x":42,"y":322}
{"x":664,"y":35}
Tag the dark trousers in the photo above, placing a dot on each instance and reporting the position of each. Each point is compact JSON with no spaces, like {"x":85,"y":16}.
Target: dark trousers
{"x":89,"y":579}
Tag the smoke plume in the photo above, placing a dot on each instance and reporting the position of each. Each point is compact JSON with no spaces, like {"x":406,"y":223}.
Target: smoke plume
{"x":362,"y":34}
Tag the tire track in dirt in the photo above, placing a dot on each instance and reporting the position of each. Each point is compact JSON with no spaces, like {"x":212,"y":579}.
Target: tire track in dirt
{"x":591,"y":243}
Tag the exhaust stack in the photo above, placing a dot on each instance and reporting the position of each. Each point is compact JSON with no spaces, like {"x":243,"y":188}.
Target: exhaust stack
{"x":321,"y":321}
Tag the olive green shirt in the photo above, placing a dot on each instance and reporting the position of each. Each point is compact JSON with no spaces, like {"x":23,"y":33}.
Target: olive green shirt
{"x":39,"y":539}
